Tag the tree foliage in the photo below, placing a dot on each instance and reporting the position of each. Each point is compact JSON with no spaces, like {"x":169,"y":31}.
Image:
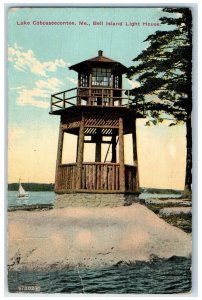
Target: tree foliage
{"x":36,"y":187}
{"x":163,"y":70}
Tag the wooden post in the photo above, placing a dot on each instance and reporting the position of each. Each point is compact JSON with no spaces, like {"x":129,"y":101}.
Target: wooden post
{"x":77,"y":97}
{"x":80,"y":154}
{"x":89,"y":89}
{"x":98,"y":146}
{"x":59,"y":155}
{"x":77,"y":148}
{"x":121,"y":156}
{"x":114,"y":148}
{"x":64,"y":100}
{"x":112,"y":91}
{"x":135,"y":160}
{"x":98,"y":152}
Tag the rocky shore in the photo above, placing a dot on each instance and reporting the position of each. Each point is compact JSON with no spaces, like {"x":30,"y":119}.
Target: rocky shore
{"x":177,"y":212}
{"x":93,"y":237}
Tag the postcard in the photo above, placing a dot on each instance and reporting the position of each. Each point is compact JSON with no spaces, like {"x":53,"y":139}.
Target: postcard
{"x":99,"y":150}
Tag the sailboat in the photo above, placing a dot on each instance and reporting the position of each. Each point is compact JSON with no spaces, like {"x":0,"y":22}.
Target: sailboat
{"x":22,"y":194}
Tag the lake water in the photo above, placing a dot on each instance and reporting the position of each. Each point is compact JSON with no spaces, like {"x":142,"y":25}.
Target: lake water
{"x":34,"y":198}
{"x":161,"y":196}
{"x":48,"y":198}
{"x":169,"y":276}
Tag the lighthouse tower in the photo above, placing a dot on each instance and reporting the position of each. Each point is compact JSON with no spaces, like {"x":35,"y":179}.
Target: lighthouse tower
{"x":97,"y":111}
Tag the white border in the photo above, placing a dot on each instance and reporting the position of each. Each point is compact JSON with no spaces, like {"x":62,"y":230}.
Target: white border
{"x":196,"y":142}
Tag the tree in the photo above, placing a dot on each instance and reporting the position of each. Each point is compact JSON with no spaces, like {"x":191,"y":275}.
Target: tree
{"x":164,"y":72}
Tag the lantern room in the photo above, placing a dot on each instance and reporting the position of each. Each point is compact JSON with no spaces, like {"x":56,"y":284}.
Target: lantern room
{"x":103,"y":79}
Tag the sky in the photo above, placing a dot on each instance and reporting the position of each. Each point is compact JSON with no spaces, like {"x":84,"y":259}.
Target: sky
{"x":38,"y":60}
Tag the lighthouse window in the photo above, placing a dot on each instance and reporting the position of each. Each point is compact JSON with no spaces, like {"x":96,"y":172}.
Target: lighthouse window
{"x":117,"y":82}
{"x":101,"y":77}
{"x":84,"y":80}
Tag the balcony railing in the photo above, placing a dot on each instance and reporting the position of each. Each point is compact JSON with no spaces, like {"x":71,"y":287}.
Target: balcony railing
{"x":95,"y":176}
{"x":92,"y":96}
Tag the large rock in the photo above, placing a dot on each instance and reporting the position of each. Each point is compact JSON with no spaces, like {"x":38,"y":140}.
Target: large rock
{"x":177,"y":211}
{"x":90,"y":237}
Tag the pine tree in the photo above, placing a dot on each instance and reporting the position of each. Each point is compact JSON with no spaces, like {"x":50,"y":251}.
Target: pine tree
{"x":164,"y":71}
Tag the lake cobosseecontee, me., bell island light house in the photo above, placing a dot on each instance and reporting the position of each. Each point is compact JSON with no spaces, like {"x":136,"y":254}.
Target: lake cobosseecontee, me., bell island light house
{"x":97,"y":111}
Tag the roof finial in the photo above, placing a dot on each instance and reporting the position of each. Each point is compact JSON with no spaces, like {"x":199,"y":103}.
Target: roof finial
{"x":100,"y":52}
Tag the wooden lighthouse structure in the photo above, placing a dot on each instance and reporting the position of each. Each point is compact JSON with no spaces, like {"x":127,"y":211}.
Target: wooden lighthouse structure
{"x":97,"y":111}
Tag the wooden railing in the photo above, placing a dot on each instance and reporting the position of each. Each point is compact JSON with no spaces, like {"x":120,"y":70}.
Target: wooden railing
{"x":130,"y":178}
{"x":95,"y":177}
{"x":89,"y":96}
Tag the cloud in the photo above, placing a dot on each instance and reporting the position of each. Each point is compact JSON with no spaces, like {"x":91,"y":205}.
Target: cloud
{"x":39,"y":96}
{"x":72,"y":80}
{"x":18,"y":87}
{"x":33,"y":97}
{"x":51,"y":84}
{"x":26,"y":61}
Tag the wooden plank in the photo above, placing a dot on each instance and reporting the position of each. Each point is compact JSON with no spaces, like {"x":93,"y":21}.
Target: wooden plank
{"x":113,"y":141}
{"x":110,"y":177}
{"x":65,"y":178}
{"x":58,"y":105}
{"x":117,"y":178}
{"x":113,"y":177}
{"x":74,"y":175}
{"x":101,"y":176}
{"x":101,"y":126}
{"x":94,"y":177}
{"x":98,"y":177}
{"x":90,"y":176}
{"x":69,"y":178}
{"x":105,"y":177}
{"x":121,"y":155}
{"x":103,"y":142}
{"x":61,"y":99}
{"x":80,"y":153}
{"x":87,"y":177}
{"x":64,"y":91}
{"x":135,"y":158}
{"x":59,"y":154}
{"x":83,"y":177}
{"x":72,"y":179}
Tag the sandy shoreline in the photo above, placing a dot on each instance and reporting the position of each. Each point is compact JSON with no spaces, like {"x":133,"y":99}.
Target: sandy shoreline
{"x":90,"y":237}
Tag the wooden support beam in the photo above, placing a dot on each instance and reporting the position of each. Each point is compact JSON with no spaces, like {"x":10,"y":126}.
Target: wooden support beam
{"x":121,"y":156}
{"x":113,"y":148}
{"x":135,"y":158}
{"x":80,"y":154}
{"x":102,"y":126}
{"x":93,"y":142}
{"x":112,"y":91}
{"x":98,"y":146}
{"x":98,"y":152}
{"x":77,"y":148}
{"x":59,"y":154}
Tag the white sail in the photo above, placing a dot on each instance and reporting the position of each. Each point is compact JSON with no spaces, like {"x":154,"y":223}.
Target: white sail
{"x":21,"y":192}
